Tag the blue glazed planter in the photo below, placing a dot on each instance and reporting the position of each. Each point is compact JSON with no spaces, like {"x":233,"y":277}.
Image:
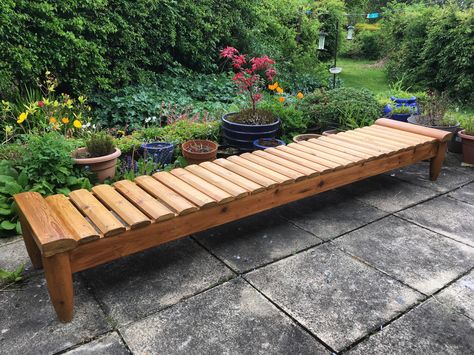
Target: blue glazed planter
{"x":257,"y":143}
{"x":398,"y":102}
{"x":242,"y":136}
{"x":159,"y":152}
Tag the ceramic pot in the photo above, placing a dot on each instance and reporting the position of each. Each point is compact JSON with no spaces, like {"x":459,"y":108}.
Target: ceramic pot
{"x":197,"y":151}
{"x":467,"y":147}
{"x":305,"y":137}
{"x":104,"y":167}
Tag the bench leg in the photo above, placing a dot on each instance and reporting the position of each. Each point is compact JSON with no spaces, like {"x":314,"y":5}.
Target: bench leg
{"x":31,"y":247}
{"x":57,"y":269}
{"x":437,"y":162}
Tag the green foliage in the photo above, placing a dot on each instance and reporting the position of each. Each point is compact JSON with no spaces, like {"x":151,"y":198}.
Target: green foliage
{"x":293,"y":120}
{"x":100,"y":144}
{"x":467,"y":123}
{"x":340,"y":107}
{"x":11,"y":183}
{"x":10,"y":277}
{"x":50,"y":167}
{"x":431,"y":47}
{"x":173,"y":97}
{"x":367,"y":44}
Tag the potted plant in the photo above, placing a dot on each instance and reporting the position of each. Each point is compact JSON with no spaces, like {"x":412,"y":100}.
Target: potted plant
{"x":99,"y":155}
{"x":402,"y":112}
{"x":434,"y":114}
{"x":159,"y":152}
{"x":198,"y":150}
{"x":467,"y":136}
{"x":241,"y":129}
{"x":305,"y":137}
{"x":263,"y":143}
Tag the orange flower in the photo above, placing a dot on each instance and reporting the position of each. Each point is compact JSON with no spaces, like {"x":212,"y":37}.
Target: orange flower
{"x":279,"y":90}
{"x":65,"y":120}
{"x":273,"y":86}
{"x":53,"y":120}
{"x":299,"y":95}
{"x":281,"y":99}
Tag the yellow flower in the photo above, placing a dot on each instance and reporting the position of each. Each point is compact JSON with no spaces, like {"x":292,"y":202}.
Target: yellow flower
{"x":53,"y":120}
{"x":77,"y":124}
{"x":279,"y":90}
{"x":65,"y":120}
{"x":281,"y":99}
{"x":299,"y":95}
{"x":22,"y":117}
{"x":273,"y":86}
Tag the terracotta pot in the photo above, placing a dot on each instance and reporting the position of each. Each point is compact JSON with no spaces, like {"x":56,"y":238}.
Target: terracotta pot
{"x":196,"y":157}
{"x":467,"y":147}
{"x":103,"y":167}
{"x":305,"y":137}
{"x":331,"y":131}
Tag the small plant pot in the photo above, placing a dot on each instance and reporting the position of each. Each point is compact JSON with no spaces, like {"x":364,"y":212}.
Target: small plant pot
{"x":226,"y":151}
{"x":467,"y":147}
{"x":305,"y":137}
{"x":402,"y":117}
{"x":159,"y":152}
{"x":198,"y":151}
{"x":330,"y":132}
{"x":454,"y":145}
{"x":104,"y":167}
{"x":264,"y":143}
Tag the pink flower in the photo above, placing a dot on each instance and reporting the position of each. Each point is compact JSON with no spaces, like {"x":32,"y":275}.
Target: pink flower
{"x":229,"y":52}
{"x":270,"y":73}
{"x":40,"y":103}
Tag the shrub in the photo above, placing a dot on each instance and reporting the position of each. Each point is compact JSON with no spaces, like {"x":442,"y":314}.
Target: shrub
{"x":100,"y":144}
{"x":342,"y":106}
{"x":431,"y":47}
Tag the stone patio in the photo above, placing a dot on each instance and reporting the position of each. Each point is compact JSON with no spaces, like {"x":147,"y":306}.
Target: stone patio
{"x":385,"y":265}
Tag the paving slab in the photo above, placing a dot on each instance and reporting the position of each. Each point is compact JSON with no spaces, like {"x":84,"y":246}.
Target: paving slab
{"x":389,"y":194}
{"x":330,"y":214}
{"x":445,"y":215}
{"x":460,"y":295}
{"x":14,"y":255}
{"x":28,"y":323}
{"x":336,"y":297}
{"x":108,"y":344}
{"x":255,"y":241}
{"x":449,"y":178}
{"x":420,"y":258}
{"x":6,"y":240}
{"x":232,"y":318}
{"x":465,"y":193}
{"x":141,"y":284}
{"x":428,"y":329}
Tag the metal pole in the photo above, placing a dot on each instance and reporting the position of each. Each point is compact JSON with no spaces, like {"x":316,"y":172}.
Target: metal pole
{"x":335,"y":54}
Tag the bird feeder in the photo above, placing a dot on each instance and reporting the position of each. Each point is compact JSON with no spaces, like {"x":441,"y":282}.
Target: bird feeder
{"x":322,"y":40}
{"x":350,"y":32}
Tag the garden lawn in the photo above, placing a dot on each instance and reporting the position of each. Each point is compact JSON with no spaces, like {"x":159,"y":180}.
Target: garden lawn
{"x":359,"y":74}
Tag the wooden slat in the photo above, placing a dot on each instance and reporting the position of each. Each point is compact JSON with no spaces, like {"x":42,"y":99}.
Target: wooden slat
{"x":440,"y":135}
{"x":286,"y":163}
{"x":343,"y":148}
{"x":376,"y":141}
{"x":143,"y":201}
{"x":295,"y":159}
{"x":172,"y":199}
{"x":48,"y":230}
{"x":202,"y":185}
{"x":247,"y":184}
{"x":392,"y":136}
{"x":187,"y":191}
{"x":261,"y":170}
{"x":355,"y":147}
{"x":361,"y":142}
{"x":82,"y":230}
{"x":246,"y":173}
{"x":121,"y":206}
{"x":320,"y":154}
{"x":97,"y":213}
{"x":294,"y":175}
{"x":403,"y":133}
{"x":310,"y":157}
{"x":223,"y":184}
{"x":331,"y":152}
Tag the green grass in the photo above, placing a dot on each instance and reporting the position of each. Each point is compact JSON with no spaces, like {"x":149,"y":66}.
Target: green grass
{"x":357,"y":73}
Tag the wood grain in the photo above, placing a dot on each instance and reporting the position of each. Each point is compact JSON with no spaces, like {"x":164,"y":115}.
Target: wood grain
{"x":261,"y":170}
{"x":246,"y":173}
{"x":311,"y":157}
{"x":286,"y":163}
{"x":273,"y":166}
{"x":440,"y":135}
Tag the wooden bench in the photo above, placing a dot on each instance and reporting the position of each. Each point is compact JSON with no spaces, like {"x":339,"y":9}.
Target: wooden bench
{"x":65,"y":235}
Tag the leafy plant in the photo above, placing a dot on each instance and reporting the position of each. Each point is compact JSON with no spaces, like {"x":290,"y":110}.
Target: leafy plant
{"x":11,"y":183}
{"x":467,"y":123}
{"x":100,"y":144}
{"x":10,"y":277}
